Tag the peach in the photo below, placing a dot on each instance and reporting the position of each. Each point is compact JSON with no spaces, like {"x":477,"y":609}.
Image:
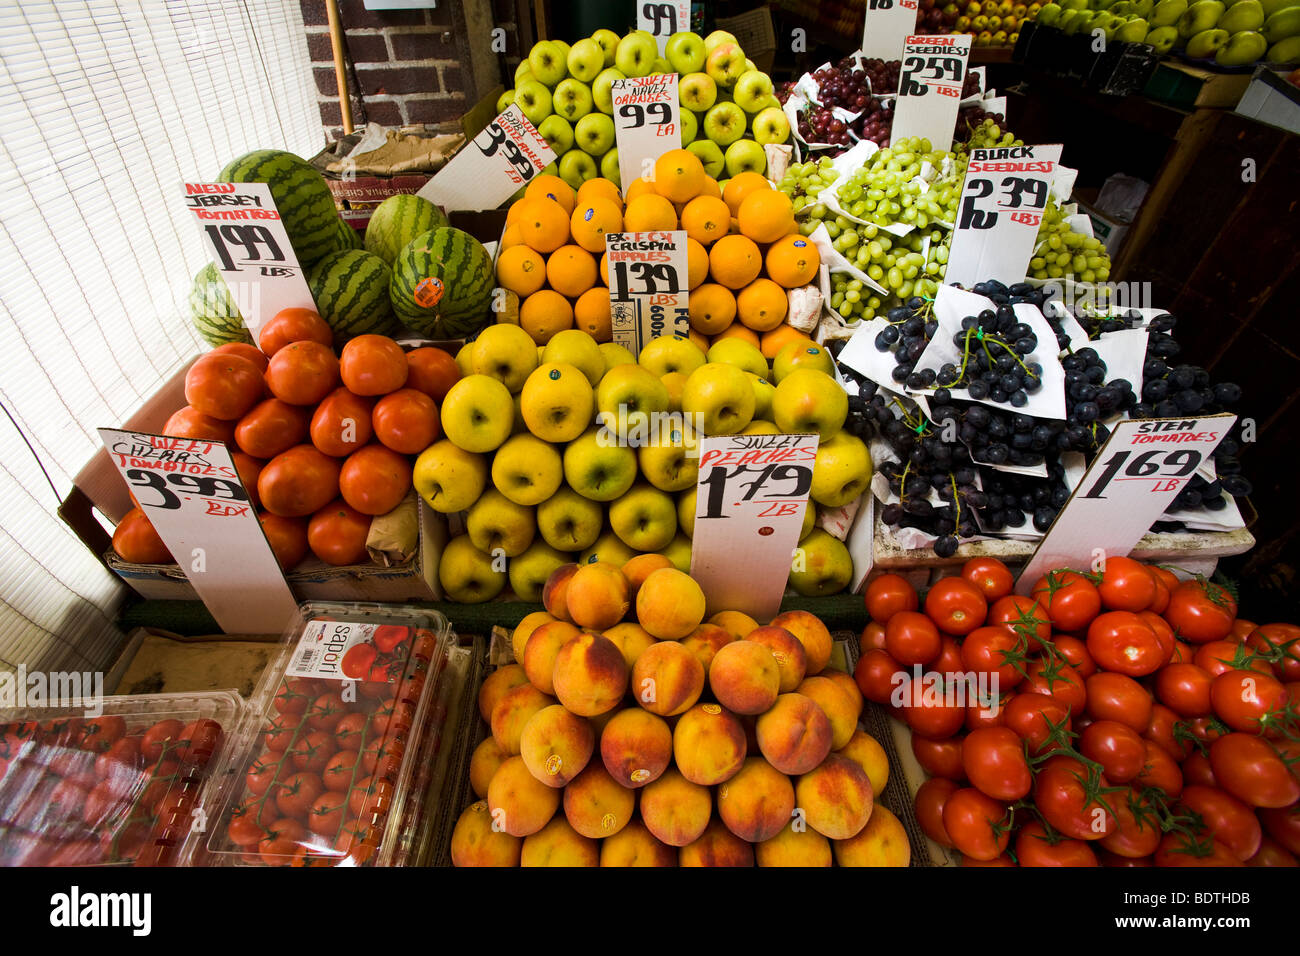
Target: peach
{"x":791,"y":659}
{"x":882,"y":842}
{"x":837,"y":704}
{"x":555,"y":591}
{"x":636,"y":747}
{"x":705,"y":641}
{"x":524,"y":629}
{"x":717,"y":847}
{"x":745,"y":678}
{"x":793,"y":847}
{"x":836,"y":798}
{"x":669,"y":604}
{"x":795,"y":735}
{"x":631,"y":639}
{"x":637,"y":569}
{"x":598,"y":595}
{"x":495,"y":686}
{"x":590,"y":675}
{"x":757,"y":802}
{"x":542,"y":649}
{"x":475,"y":843}
{"x":483,"y":764}
{"x":866,"y":752}
{"x":558,"y":844}
{"x":675,"y":810}
{"x":520,"y":803}
{"x":845,"y":682}
{"x":737,"y":623}
{"x":634,"y":845}
{"x":812,"y":634}
{"x":667,"y":679}
{"x":512,"y":713}
{"x":708,"y":745}
{"x":556,"y":745}
{"x":596,"y":805}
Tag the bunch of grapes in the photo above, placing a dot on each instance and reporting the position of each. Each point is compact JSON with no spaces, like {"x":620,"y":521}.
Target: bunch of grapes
{"x":842,"y":86}
{"x":874,"y":124}
{"x":1062,"y":253}
{"x":852,"y":299}
{"x":804,"y":182}
{"x":817,"y":124}
{"x":888,"y":189}
{"x":987,"y":133}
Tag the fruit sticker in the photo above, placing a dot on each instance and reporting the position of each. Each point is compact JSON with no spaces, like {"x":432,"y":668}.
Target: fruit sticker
{"x":428,"y":292}
{"x":351,"y":652}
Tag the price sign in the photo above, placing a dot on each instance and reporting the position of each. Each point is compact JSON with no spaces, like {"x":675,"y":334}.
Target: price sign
{"x":249,"y":245}
{"x":886,"y":27}
{"x":1002,"y":203}
{"x":190,"y":491}
{"x":491,"y":167}
{"x":647,"y":286}
{"x":749,"y":507}
{"x":929,"y":88}
{"x":1129,"y":485}
{"x":662,"y":19}
{"x":647,"y":122}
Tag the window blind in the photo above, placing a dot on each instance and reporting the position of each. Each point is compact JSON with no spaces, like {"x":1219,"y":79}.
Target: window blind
{"x":106,"y":108}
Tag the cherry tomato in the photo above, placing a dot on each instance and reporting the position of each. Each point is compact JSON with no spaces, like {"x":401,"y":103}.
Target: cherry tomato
{"x":873,"y":638}
{"x":199,"y":740}
{"x":875,"y":675}
{"x":1137,"y":828}
{"x":371,"y":797}
{"x":312,"y":751}
{"x":939,"y":758}
{"x":929,"y":802}
{"x":1060,"y":681}
{"x":994,"y":651}
{"x":990,"y":576}
{"x":342,"y":770}
{"x":282,"y":840}
{"x":1035,"y":848}
{"x":1119,"y":697}
{"x":243,"y":830}
{"x":948,"y":662}
{"x":265,"y":771}
{"x":357,"y":661}
{"x":1160,"y":770}
{"x":1161,"y":731}
{"x":161,"y":736}
{"x":1076,"y":653}
{"x":388,"y":637}
{"x":293,"y":696}
{"x":1250,"y":768}
{"x":1071,"y":599}
{"x":1227,"y":820}
{"x":1126,"y":585}
{"x":912,"y":638}
{"x":102,"y":732}
{"x":994,"y":761}
{"x":1068,"y":797}
{"x":986,"y":710}
{"x":976,"y":824}
{"x":349,"y":730}
{"x":1272,"y":853}
{"x":279,"y":731}
{"x":297,"y":793}
{"x":1201,"y":612}
{"x":1121,"y":641}
{"x":1119,"y":749}
{"x":1184,"y":689}
{"x":326,"y":814}
{"x":1164,"y":634}
{"x":1023,"y":615}
{"x":889,"y":594}
{"x":326,"y":711}
{"x":956,"y":605}
{"x":1247,"y":701}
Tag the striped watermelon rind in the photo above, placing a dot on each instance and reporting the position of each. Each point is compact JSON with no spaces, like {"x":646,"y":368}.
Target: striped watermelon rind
{"x":351,"y":293}
{"x":213,"y":310}
{"x":462,"y":265}
{"x":397,"y":220}
{"x":301,"y":195}
{"x":351,"y":239}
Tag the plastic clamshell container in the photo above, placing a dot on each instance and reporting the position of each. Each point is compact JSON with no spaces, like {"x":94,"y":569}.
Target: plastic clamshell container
{"x":325,"y":768}
{"x":120,"y":781}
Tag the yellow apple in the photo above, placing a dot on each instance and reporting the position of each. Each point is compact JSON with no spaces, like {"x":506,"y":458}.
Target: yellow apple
{"x":821,"y":565}
{"x":465,"y":359}
{"x":738,"y":352}
{"x":675,"y":382}
{"x":686,"y":511}
{"x":505,"y":352}
{"x":645,"y":518}
{"x":722,"y":395}
{"x":798,"y":354}
{"x":615,"y":355}
{"x":477,"y":413}
{"x":809,"y":521}
{"x":467,"y":574}
{"x":497,"y":523}
{"x":763,"y":395}
{"x":527,"y":470}
{"x":841,"y":471}
{"x":575,"y":347}
{"x":760,"y":427}
{"x":608,"y":548}
{"x":529,"y":571}
{"x":679,"y":553}
{"x":628,"y":399}
{"x":557,"y":402}
{"x":597,"y":467}
{"x":671,"y":461}
{"x":448,"y":478}
{"x":568,"y":521}
{"x":668,"y":353}
{"x":809,"y":400}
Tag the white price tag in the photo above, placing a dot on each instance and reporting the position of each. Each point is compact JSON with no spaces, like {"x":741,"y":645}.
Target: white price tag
{"x":662,"y":18}
{"x":929,"y":88}
{"x":1129,"y":485}
{"x":749,"y":507}
{"x":251,"y":249}
{"x":1002,"y":202}
{"x":886,"y":27}
{"x":190,"y":491}
{"x":491,"y":167}
{"x":647,"y":286}
{"x":647,"y":122}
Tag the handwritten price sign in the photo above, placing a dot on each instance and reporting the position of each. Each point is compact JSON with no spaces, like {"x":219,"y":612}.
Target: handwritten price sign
{"x":491,"y":167}
{"x":648,"y":295}
{"x":886,"y":28}
{"x":929,"y":88}
{"x":647,"y":122}
{"x":661,"y":19}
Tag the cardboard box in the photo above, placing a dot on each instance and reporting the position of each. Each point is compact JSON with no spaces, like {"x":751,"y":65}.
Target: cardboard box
{"x":1109,"y":230}
{"x":1188,"y":87}
{"x":1272,"y":100}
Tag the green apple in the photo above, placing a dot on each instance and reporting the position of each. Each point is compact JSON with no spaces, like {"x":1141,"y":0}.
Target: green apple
{"x":1068,"y":5}
{"x":601,"y":94}
{"x":609,"y":167}
{"x":577,"y":166}
{"x":1199,"y":17}
{"x":572,"y":99}
{"x":1282,"y":24}
{"x":726,"y":64}
{"x":752,"y":90}
{"x":1144,"y":8}
{"x":1206,"y":43}
{"x":1284,"y":52}
{"x":690,"y":125}
{"x":636,"y":54}
{"x":615,"y":355}
{"x":1167,"y":12}
{"x":607,"y":548}
{"x":668,"y":353}
{"x":719,"y":38}
{"x":697,"y":92}
{"x":708,"y":153}
{"x":578,"y":349}
{"x":558,"y":134}
{"x":1162,"y":39}
{"x":477,"y":413}
{"x":534,"y":98}
{"x":644,"y":518}
{"x":608,"y":42}
{"x":1242,"y":48}
{"x":763,"y":395}
{"x":505,"y":352}
{"x":1273,"y":6}
{"x":504,"y":100}
{"x":585,"y":60}
{"x":686,"y":52}
{"x":744,"y":156}
{"x":557,"y":402}
{"x":1242,"y":16}
{"x":841,"y":471}
{"x":468,"y":575}
{"x":548,"y":60}
{"x":523,"y":70}
{"x":679,"y":553}
{"x":799,"y":355}
{"x":771,"y":126}
{"x":628,"y":400}
{"x":821,"y":566}
{"x":597,"y":467}
{"x":495,"y":522}
{"x":529,"y":571}
{"x":448,"y":478}
{"x":1134,"y":31}
{"x":809,"y":400}
{"x":720,"y":399}
{"x":661,"y":67}
{"x":568,"y":521}
{"x":671,"y":460}
{"x":686,"y":512}
{"x":594,"y":134}
{"x":742,"y":354}
{"x":724,"y":123}
{"x":1081,"y":23}
{"x":1049,"y":15}
{"x":527,"y":470}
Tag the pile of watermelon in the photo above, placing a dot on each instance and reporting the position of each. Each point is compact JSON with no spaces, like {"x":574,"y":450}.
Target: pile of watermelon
{"x":413,"y":272}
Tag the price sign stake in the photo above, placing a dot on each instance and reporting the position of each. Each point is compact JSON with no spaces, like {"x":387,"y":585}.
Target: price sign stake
{"x":887,"y":25}
{"x":491,"y":167}
{"x":1129,"y":485}
{"x":647,"y":286}
{"x":647,"y":122}
{"x":929,"y":88}
{"x":1002,"y":202}
{"x":662,"y":18}
{"x":749,"y":507}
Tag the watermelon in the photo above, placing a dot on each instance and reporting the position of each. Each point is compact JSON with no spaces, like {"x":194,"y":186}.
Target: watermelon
{"x":396,"y":221}
{"x":442,"y":284}
{"x":303,"y":199}
{"x":351,"y":239}
{"x":351,"y":293}
{"x":213,"y":310}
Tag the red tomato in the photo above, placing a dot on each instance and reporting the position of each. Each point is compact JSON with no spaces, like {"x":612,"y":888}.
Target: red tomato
{"x":243,"y":830}
{"x":394,"y":717}
{"x":990,"y":576}
{"x":342,"y":770}
{"x":1283,"y":825}
{"x":1121,"y":641}
{"x":1272,"y":854}
{"x":1118,"y":697}
{"x":873,"y":638}
{"x":358,"y":660}
{"x":1002,"y":860}
{"x":929,"y":802}
{"x":100,"y":733}
{"x":199,"y":740}
{"x":265,"y":770}
{"x":281,"y":842}
{"x":312,"y":751}
{"x":326,"y":814}
{"x":388,"y":637}
{"x":1251,"y":769}
{"x":889,"y":594}
{"x":955,"y":605}
{"x":1218,"y":657}
{"x":875,"y":676}
{"x":1024,"y":616}
{"x":1179,"y":849}
{"x":297,"y":793}
{"x":1184,"y":689}
{"x":294,"y":325}
{"x":1137,"y":826}
{"x":432,"y":371}
{"x":326,"y":711}
{"x":987,"y":710}
{"x":406,"y":421}
{"x":912,"y":638}
{"x":1201,"y":612}
{"x":1227,"y":819}
{"x":65,"y":801}
{"x":1033,"y":717}
{"x":161,"y":736}
{"x":349,"y":730}
{"x":948,"y":663}
{"x":1076,"y":653}
{"x":1035,"y":848}
{"x":1249,"y":702}
{"x":372,"y":796}
{"x":1119,"y":749}
{"x":994,"y":761}
{"x":1126,"y":585}
{"x":1060,"y":681}
{"x":1160,"y":770}
{"x":279,"y":731}
{"x":293,"y":695}
{"x":1069,"y":796}
{"x":1164,"y":633}
{"x":994,"y":650}
{"x":1280,"y":641}
{"x":272,"y":427}
{"x":1161,"y":731}
{"x":341,"y":423}
{"x":1197,"y":770}
{"x":1071,"y":599}
{"x":976,"y":823}
{"x":940,"y":758}
{"x":932,"y":711}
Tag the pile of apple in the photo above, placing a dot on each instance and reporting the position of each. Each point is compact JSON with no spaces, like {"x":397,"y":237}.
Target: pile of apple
{"x":633,"y":733}
{"x":993,"y":22}
{"x":728,"y":110}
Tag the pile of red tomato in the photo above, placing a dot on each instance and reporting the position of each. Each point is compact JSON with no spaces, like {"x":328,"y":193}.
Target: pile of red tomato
{"x":1137,"y":721}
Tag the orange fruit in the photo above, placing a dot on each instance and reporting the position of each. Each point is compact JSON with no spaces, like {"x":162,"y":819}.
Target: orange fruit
{"x":699,"y":339}
{"x":513,"y":236}
{"x":552,"y":187}
{"x":762,"y":305}
{"x":793,"y":261}
{"x":544,"y":313}
{"x":592,"y":218}
{"x":521,"y":270}
{"x":735,"y":261}
{"x":571,"y":270}
{"x":766,"y":215}
{"x":591,"y":313}
{"x":740,"y":186}
{"x":738,"y":331}
{"x":604,"y":268}
{"x":712,"y":308}
{"x":599,"y":187}
{"x":543,"y":223}
{"x":679,"y":175}
{"x":639,"y":187}
{"x":697,"y":263}
{"x":711,"y":188}
{"x":649,"y":213}
{"x":773,"y":342}
{"x":706,"y":220}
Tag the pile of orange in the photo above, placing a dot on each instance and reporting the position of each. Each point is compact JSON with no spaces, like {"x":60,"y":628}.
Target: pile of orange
{"x":744,"y":252}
